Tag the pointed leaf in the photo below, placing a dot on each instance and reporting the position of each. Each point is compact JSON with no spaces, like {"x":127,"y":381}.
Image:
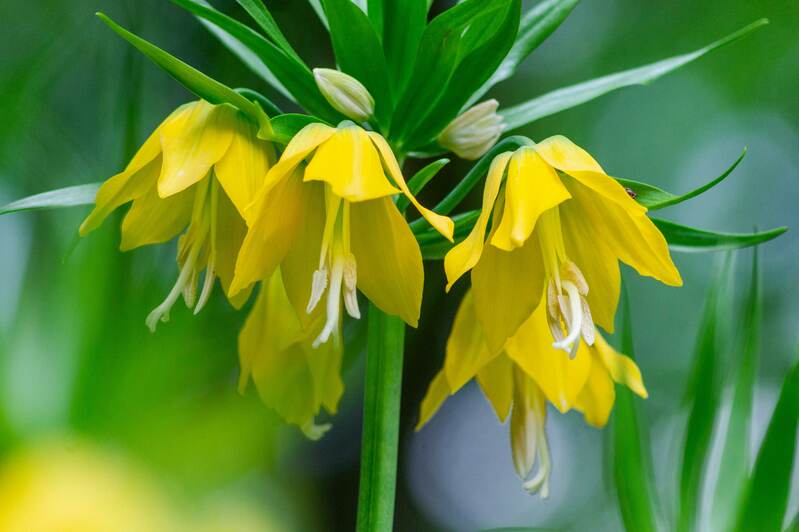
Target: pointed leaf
{"x":285,"y":126}
{"x":654,"y":198}
{"x":632,"y":466}
{"x":766,"y":497}
{"x":536,"y":25}
{"x":320,"y":12}
{"x":293,"y":75}
{"x":688,"y":239}
{"x":359,"y":54}
{"x":702,"y":395}
{"x":203,"y":86}
{"x":420,"y":180}
{"x":733,"y":470}
{"x":264,"y":19}
{"x":568,"y":97}
{"x":55,"y":199}
{"x":399,"y":24}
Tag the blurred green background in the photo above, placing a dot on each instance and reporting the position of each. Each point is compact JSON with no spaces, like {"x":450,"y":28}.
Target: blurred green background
{"x":79,"y":368}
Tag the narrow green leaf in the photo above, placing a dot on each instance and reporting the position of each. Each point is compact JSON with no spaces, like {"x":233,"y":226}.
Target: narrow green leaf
{"x":293,"y":75}
{"x":400,"y":23}
{"x":654,"y":198}
{"x":478,"y":171}
{"x":264,"y":19}
{"x":683,"y":238}
{"x":702,"y":395}
{"x":632,"y":466}
{"x":536,"y":25}
{"x":54,"y":199}
{"x":248,"y":58}
{"x":285,"y":126}
{"x":200,"y":84}
{"x":436,"y":61}
{"x":320,"y":12}
{"x":733,"y":470}
{"x":472,"y":71}
{"x":766,"y":496}
{"x":359,"y":54}
{"x":434,"y":246}
{"x":568,"y":97}
{"x":381,"y":415}
{"x":420,"y":180}
{"x":266,"y":104}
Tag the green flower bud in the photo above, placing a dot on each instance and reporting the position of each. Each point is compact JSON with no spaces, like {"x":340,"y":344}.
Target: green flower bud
{"x":345,"y":93}
{"x":473,"y":132}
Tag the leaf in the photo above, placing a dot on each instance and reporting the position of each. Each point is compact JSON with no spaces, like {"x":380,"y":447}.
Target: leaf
{"x":55,"y":199}
{"x":702,"y":397}
{"x":293,"y":75}
{"x":654,"y":198}
{"x":733,"y":470}
{"x":285,"y":126}
{"x":261,"y":15}
{"x":632,"y":466}
{"x":434,"y":246}
{"x":420,"y":180}
{"x":478,"y":171}
{"x":766,"y":496}
{"x":536,"y":25}
{"x":688,"y":239}
{"x":436,"y":61}
{"x":320,"y":12}
{"x":568,"y":97}
{"x":400,"y":24}
{"x":359,"y":54}
{"x":203,"y":86}
{"x":472,"y":71}
{"x":266,"y":104}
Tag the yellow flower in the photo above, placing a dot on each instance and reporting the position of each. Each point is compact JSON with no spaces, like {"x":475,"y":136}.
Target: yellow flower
{"x":560,"y":226}
{"x":334,"y":227}
{"x":291,"y":376}
{"x":195,"y":174}
{"x":526,"y":373}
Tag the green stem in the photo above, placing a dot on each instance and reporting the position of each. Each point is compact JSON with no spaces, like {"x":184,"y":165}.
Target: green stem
{"x":381,"y":409}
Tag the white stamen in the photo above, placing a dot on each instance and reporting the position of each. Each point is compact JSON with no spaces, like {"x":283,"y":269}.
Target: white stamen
{"x":333,"y":303}
{"x":574,"y":319}
{"x":588,"y":329}
{"x":161,"y":312}
{"x":208,"y":285}
{"x":540,"y":482}
{"x":318,"y":285}
{"x":350,"y":287}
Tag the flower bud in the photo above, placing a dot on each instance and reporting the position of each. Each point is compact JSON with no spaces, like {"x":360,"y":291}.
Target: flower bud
{"x":473,"y":133}
{"x":345,"y":93}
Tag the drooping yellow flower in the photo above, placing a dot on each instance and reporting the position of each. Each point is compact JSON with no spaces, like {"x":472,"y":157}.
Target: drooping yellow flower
{"x":334,"y":227}
{"x":195,"y":174}
{"x":560,"y":227}
{"x":291,"y":376}
{"x":526,"y":373}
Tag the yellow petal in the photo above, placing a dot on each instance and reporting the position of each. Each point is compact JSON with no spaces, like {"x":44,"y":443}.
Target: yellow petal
{"x":325,"y":365}
{"x":120,"y":189}
{"x":560,"y":377}
{"x":271,"y":233}
{"x":389,"y":262}
{"x":496,"y":381}
{"x":269,"y":350}
{"x":462,"y":258}
{"x":349,"y":163}
{"x":442,"y":224}
{"x":633,"y":238}
{"x":597,"y":397}
{"x":526,"y":421}
{"x":243,"y":168}
{"x":192,"y":142}
{"x":532,"y":187}
{"x":152,"y":220}
{"x":507,"y":287}
{"x":302,"y":258}
{"x":228,"y":236}
{"x":433,"y":399}
{"x":466,"y":349}
{"x":622,"y":369}
{"x":596,"y":261}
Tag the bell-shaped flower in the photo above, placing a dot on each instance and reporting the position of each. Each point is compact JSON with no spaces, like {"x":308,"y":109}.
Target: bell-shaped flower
{"x":292,"y":377}
{"x":523,"y":376}
{"x":333,"y":225}
{"x":560,"y":226}
{"x":194,"y":175}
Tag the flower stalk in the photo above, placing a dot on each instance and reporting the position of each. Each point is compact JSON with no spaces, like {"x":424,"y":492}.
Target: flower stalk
{"x":381,"y":414}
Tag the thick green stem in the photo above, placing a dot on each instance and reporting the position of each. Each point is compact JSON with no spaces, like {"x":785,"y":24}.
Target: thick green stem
{"x":381,"y":413}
